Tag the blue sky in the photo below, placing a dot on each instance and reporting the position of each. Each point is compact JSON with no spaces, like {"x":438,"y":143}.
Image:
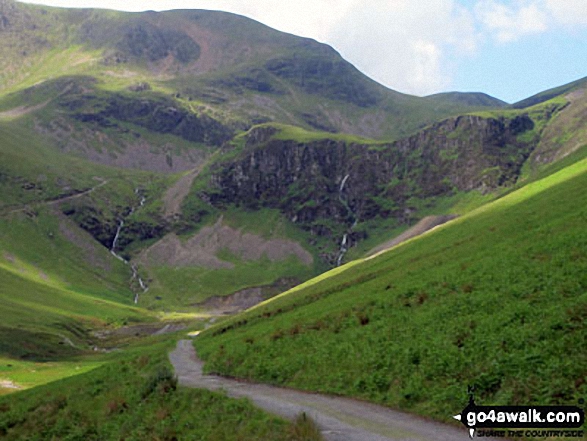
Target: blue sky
{"x":510,"y":49}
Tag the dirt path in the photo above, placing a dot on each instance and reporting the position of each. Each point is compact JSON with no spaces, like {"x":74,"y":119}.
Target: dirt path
{"x":59,"y":200}
{"x":21,"y":111}
{"x":426,"y":224}
{"x":340,"y":419}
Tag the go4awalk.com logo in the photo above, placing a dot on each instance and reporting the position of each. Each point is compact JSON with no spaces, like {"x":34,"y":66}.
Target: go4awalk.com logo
{"x":522,"y":421}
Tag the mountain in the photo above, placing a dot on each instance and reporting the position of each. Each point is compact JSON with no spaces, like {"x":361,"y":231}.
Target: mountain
{"x":193,"y":153}
{"x":252,"y":74}
{"x":468,"y":99}
{"x":550,"y":94}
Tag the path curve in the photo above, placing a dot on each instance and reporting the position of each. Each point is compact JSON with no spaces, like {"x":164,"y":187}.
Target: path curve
{"x":58,"y":200}
{"x":423,"y":226}
{"x":340,"y":419}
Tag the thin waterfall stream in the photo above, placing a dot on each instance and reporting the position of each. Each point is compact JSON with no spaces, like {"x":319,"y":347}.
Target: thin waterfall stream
{"x":133,"y":267}
{"x":345,"y":238}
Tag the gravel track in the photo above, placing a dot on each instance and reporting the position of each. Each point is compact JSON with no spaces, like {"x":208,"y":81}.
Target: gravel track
{"x":340,"y":419}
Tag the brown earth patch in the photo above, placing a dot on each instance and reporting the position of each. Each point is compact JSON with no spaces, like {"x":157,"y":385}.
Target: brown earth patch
{"x":421,"y":227}
{"x":175,"y":195}
{"x":202,"y":249}
{"x":9,"y":257}
{"x":231,"y":304}
{"x":7,"y":384}
{"x":216,"y":49}
{"x":141,"y":156}
{"x":565,"y":133}
{"x":575,"y":95}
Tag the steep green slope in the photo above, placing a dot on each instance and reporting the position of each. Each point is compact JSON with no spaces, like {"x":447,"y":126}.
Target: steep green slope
{"x":48,"y":179}
{"x":566,"y":133}
{"x":495,"y":299}
{"x":471,"y":99}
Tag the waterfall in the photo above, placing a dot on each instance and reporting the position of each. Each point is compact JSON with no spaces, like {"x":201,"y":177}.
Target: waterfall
{"x":344,"y":242}
{"x":133,"y":267}
{"x":343,"y":250}
{"x":342,"y":185}
{"x":115,"y":241}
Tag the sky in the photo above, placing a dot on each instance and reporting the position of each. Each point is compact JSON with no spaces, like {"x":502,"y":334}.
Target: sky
{"x":510,"y":49}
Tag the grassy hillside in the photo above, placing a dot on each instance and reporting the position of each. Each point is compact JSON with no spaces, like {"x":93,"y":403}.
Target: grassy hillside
{"x":136,"y":397}
{"x":495,"y":299}
{"x":56,"y":281}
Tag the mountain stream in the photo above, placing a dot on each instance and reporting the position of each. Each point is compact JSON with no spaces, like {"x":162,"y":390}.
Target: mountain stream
{"x":344,"y":243}
{"x":133,"y":267}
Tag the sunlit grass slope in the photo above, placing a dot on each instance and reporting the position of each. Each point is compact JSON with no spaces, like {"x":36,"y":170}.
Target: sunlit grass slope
{"x":16,"y":375}
{"x":496,"y":299}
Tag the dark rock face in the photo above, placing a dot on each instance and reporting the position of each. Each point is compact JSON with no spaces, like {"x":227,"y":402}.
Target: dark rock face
{"x":256,"y":80}
{"x":304,"y":179}
{"x":144,"y":40}
{"x":167,"y":117}
{"x":100,"y":226}
{"x":103,"y":226}
{"x":159,"y":115}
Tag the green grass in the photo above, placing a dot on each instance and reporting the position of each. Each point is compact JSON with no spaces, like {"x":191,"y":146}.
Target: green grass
{"x":379,"y":230}
{"x":183,"y":287}
{"x":28,"y":374}
{"x":135,"y":397}
{"x":43,"y":321}
{"x":298,"y":134}
{"x":496,"y":299}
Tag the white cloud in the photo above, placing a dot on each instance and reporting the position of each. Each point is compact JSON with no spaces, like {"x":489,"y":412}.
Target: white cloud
{"x":508,"y":23}
{"x":427,"y":67}
{"x":404,"y":43}
{"x":568,"y":12}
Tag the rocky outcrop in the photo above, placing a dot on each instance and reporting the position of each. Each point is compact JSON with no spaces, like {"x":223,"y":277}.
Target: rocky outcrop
{"x":158,"y":114}
{"x":304,"y":179}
